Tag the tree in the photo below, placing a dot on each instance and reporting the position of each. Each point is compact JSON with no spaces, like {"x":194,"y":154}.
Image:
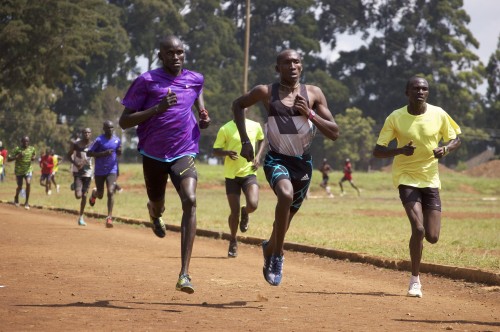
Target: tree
{"x":426,"y":37}
{"x":146,"y":21}
{"x":67,"y":49}
{"x":356,"y":141}
{"x":28,"y":113}
{"x":492,"y":101}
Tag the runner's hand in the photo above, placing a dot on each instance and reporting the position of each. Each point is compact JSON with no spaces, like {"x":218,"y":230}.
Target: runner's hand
{"x":247,"y":152}
{"x":408,"y":149}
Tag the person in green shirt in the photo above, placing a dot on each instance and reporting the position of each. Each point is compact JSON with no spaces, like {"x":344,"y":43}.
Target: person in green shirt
{"x":23,"y":156}
{"x":240,"y":175}
{"x":418,"y":128}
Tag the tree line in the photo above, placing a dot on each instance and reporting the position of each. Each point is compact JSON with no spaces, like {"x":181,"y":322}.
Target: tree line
{"x":66,"y":64}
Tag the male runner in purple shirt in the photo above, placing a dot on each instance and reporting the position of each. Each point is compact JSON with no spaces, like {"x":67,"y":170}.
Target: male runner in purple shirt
{"x":159,"y":103}
{"x":105,"y":149}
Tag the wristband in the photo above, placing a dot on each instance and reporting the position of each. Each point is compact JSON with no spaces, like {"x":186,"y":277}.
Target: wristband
{"x":446,"y":151}
{"x":246,"y":142}
{"x":312,"y":114}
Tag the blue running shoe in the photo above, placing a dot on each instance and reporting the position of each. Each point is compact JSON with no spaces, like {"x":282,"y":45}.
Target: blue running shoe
{"x":277,"y":269}
{"x":266,"y":269}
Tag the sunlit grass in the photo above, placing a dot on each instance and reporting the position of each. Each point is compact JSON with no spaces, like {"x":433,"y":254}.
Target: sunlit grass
{"x":374,"y":223}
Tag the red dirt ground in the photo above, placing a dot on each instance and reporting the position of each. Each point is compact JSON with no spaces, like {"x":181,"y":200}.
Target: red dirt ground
{"x":491,"y":169}
{"x":57,"y":276}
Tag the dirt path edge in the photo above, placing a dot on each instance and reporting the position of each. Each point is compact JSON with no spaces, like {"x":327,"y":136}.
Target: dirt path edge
{"x":452,"y":272}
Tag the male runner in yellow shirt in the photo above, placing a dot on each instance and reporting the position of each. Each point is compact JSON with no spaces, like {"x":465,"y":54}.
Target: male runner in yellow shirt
{"x":240,"y":175}
{"x":418,"y":128}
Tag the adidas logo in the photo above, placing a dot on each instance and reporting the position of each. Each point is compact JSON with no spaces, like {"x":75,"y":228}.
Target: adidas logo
{"x":305,"y":178}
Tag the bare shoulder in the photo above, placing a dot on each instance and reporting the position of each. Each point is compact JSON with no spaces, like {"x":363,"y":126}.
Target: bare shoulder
{"x":261,"y":89}
{"x":314,"y":91}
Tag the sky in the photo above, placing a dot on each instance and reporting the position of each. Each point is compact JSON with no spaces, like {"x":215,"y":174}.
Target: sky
{"x":484,"y":25}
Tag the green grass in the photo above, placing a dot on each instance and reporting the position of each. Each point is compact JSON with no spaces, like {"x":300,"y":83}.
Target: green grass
{"x":374,"y":224}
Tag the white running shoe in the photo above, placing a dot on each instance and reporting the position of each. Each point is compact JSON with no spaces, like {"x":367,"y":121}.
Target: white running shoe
{"x":415,"y":290}
{"x":58,"y":187}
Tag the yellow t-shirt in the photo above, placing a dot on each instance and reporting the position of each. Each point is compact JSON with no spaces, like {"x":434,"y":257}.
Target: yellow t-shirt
{"x":55,"y":159}
{"x":426,"y":131}
{"x":228,"y":138}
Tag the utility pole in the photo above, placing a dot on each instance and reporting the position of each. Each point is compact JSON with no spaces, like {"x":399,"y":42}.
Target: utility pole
{"x":247,"y":47}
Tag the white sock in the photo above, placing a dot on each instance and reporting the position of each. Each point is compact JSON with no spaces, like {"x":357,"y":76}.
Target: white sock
{"x":415,"y":279}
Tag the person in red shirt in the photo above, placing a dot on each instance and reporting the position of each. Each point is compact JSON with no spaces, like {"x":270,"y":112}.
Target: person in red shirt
{"x":347,"y":177}
{"x":47,"y":164}
{"x":3,"y":153}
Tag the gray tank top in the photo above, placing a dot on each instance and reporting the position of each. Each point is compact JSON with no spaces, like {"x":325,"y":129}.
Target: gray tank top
{"x":288,"y":132}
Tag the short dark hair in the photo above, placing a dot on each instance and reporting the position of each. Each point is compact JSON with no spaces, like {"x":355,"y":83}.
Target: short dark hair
{"x":411,"y":79}
{"x":167,"y":40}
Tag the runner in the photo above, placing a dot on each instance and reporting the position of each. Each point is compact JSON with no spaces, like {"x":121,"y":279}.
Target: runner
{"x":295,"y":111}
{"x":105,"y":149}
{"x":160,"y":103}
{"x":418,"y":129}
{"x":82,"y":169}
{"x":23,"y":156}
{"x":240,"y":175}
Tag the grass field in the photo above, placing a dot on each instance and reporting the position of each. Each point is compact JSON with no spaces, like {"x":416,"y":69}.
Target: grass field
{"x":374,"y":223}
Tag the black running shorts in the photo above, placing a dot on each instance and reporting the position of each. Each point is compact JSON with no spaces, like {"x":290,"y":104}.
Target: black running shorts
{"x":428,"y":197}
{"x":156,"y":175}
{"x":234,"y":186}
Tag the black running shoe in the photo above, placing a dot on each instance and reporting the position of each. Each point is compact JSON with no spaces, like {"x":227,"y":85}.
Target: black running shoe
{"x":233,"y":249}
{"x":244,"y":220}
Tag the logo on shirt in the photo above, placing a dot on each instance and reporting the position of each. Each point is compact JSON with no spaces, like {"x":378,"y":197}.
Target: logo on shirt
{"x":305,"y":178}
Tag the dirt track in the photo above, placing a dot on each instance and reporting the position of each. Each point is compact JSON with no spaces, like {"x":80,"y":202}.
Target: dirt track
{"x":57,"y":276}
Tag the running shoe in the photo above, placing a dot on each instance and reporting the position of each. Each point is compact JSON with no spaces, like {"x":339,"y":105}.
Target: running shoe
{"x":184,"y":284}
{"x":92,"y":198}
{"x":266,"y":269}
{"x":159,"y":227}
{"x":81,"y":222}
{"x":27,"y":206}
{"x":49,"y":192}
{"x":58,"y":188}
{"x":244,"y":220}
{"x":415,"y":290}
{"x":16,"y":201}
{"x":277,"y":269}
{"x":233,"y":249}
{"x":109,"y":222}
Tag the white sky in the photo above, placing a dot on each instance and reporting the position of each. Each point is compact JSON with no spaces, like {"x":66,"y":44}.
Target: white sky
{"x":484,"y":25}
